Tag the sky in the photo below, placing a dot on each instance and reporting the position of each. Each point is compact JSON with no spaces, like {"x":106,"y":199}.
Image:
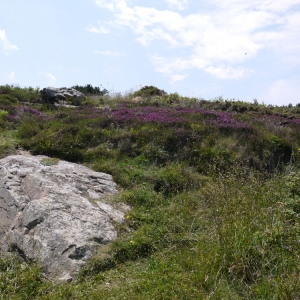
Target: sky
{"x":235,"y":49}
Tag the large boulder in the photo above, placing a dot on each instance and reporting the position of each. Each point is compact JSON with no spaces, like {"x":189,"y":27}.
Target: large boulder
{"x":51,"y":94}
{"x":55,"y":212}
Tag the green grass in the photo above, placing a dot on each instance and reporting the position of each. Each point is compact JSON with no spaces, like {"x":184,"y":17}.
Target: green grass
{"x":215,"y":211}
{"x":8,"y":142}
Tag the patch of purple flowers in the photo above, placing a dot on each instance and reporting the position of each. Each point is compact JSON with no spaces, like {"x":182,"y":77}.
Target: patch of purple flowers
{"x":147,"y":115}
{"x":227,"y":120}
{"x":179,"y":115}
{"x":278,"y":120}
{"x":23,"y":111}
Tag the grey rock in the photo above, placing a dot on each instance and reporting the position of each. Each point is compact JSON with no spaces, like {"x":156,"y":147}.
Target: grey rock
{"x":138,"y":99}
{"x":52,"y":94}
{"x":57,"y":215}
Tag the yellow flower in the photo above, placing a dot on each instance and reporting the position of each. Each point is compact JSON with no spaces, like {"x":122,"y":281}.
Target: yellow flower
{"x":132,"y":242}
{"x":128,"y":217}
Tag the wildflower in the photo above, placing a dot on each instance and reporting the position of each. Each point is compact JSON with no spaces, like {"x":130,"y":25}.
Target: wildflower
{"x":132,"y":242}
{"x":127,"y":217}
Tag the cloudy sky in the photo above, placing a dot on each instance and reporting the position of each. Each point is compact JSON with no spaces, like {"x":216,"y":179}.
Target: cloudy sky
{"x":237,"y":49}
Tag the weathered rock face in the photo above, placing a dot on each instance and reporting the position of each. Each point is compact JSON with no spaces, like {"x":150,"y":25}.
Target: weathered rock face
{"x":54,"y":214}
{"x":52,"y":94}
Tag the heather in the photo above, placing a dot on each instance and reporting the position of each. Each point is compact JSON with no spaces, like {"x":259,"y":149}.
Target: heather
{"x":213,"y":186}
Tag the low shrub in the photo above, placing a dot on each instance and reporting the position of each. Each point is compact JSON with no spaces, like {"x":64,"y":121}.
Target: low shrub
{"x":175,"y":178}
{"x":7,"y":99}
{"x":149,"y":91}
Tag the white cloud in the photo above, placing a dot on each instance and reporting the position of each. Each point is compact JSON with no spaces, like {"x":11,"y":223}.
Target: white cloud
{"x":50,"y":78}
{"x":177,"y":77}
{"x":177,"y":4}
{"x":100,"y":29}
{"x":111,"y":5}
{"x":227,"y":72}
{"x":258,"y":5}
{"x":7,"y":46}
{"x":108,"y":53}
{"x":171,"y":68}
{"x":282,"y":92}
{"x":216,"y":41}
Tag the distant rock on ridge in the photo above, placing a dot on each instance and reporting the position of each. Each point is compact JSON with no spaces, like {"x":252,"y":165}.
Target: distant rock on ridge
{"x":53,"y":214}
{"x":51,"y":94}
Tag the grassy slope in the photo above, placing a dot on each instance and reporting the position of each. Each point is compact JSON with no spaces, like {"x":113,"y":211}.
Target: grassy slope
{"x":214,"y":192}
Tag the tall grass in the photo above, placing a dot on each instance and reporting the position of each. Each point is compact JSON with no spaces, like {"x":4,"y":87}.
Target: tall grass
{"x":214,"y":193}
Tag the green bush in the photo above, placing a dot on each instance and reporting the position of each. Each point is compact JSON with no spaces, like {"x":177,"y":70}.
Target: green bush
{"x":134,"y":249}
{"x":175,"y":178}
{"x":88,"y":89}
{"x":7,"y":99}
{"x":12,"y":94}
{"x":3,"y":114}
{"x":148,"y":92}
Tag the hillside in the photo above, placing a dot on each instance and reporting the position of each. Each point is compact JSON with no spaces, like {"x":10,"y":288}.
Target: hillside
{"x":214,"y":187}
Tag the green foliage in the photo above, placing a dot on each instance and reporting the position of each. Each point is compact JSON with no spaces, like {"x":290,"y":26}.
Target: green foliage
{"x":3,"y":114}
{"x":215,"y":205}
{"x":12,"y":94}
{"x":175,"y":178}
{"x":90,"y":90}
{"x":19,"y":280}
{"x":49,"y":161}
{"x":7,"y":99}
{"x":148,"y":92}
{"x":7,"y":142}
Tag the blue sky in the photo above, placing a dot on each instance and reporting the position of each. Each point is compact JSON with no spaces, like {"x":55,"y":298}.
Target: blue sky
{"x":237,"y":49}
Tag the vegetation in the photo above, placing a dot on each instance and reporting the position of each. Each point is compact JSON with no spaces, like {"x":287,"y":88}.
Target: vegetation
{"x":213,"y":186}
{"x":90,"y":90}
{"x":149,"y":91}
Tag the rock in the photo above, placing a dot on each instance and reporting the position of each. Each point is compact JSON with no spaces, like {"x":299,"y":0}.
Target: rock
{"x":138,"y":99}
{"x":55,"y":212}
{"x":51,"y":94}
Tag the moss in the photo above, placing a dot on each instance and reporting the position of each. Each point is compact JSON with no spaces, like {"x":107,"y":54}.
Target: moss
{"x":49,"y":161}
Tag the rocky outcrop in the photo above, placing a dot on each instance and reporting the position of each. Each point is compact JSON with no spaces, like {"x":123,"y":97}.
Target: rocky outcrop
{"x":55,"y":212}
{"x":51,"y":94}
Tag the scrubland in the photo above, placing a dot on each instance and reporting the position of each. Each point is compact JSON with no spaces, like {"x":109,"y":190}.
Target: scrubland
{"x":213,"y":185}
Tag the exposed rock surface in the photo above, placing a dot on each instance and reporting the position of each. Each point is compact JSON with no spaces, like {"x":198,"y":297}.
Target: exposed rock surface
{"x":138,"y":99}
{"x":55,"y":214}
{"x":52,"y":94}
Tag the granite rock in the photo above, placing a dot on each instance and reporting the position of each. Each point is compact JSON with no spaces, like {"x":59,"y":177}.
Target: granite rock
{"x":55,"y":212}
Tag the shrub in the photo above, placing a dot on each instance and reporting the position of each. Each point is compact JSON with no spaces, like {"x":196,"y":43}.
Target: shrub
{"x":3,"y":114}
{"x":7,"y":99}
{"x":148,"y":92}
{"x":175,"y":178}
{"x":16,"y":93}
{"x":90,"y":90}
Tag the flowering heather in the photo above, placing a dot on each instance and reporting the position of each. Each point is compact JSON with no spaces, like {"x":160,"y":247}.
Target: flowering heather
{"x":278,"y":120}
{"x":163,"y":115}
{"x":22,"y":111}
{"x":85,"y":113}
{"x":227,"y":120}
{"x":147,"y":115}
